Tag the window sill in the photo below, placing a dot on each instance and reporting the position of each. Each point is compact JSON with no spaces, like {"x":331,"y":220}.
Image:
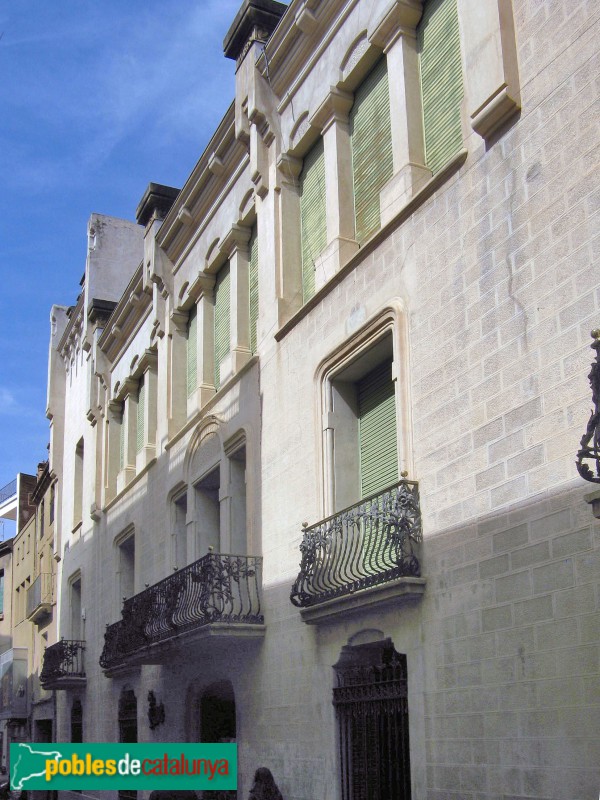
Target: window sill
{"x":371,"y":244}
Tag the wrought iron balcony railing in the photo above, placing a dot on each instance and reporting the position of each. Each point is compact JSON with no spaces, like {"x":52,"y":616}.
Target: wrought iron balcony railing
{"x":40,"y":596}
{"x":217,"y":588}
{"x":366,"y":545}
{"x":64,"y":665}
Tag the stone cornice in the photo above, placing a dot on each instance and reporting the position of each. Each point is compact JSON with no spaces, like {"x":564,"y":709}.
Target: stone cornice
{"x":219,"y":165}
{"x":131,"y":310}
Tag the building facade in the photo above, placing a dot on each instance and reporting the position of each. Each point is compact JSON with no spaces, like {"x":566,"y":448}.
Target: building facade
{"x":314,"y":417}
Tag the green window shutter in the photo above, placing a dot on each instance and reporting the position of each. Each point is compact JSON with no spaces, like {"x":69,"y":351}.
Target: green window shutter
{"x":139,"y":430}
{"x":377,"y":430}
{"x":313,"y":215}
{"x":122,"y":442}
{"x":192,"y":351}
{"x":253,"y":287}
{"x":438,"y":41}
{"x":371,"y":138}
{"x":222,"y":317}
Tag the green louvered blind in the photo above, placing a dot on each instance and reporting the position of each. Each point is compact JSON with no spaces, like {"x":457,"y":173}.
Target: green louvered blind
{"x":139,"y":430}
{"x":313,"y":215}
{"x":122,"y":442}
{"x":377,"y":430}
{"x":222,"y":320}
{"x":371,"y":137}
{"x":192,"y":351}
{"x":253,"y":278}
{"x":441,"y":81}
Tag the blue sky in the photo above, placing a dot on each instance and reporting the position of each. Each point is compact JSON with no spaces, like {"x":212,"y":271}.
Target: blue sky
{"x":96,"y":100}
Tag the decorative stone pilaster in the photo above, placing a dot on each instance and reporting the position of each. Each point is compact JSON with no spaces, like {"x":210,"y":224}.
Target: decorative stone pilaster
{"x":287,"y":223}
{"x":491,"y":66}
{"x":235,"y":248}
{"x":202,"y":291}
{"x":128,"y":392}
{"x":177,"y":391}
{"x":148,"y":365}
{"x":114,"y":420}
{"x":396,"y":35}
{"x":332,"y":118}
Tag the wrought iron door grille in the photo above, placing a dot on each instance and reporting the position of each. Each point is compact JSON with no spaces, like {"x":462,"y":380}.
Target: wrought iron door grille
{"x":366,"y":545}
{"x":372,"y":710}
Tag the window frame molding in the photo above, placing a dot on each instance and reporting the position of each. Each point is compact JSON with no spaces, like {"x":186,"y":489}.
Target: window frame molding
{"x":391,"y":320}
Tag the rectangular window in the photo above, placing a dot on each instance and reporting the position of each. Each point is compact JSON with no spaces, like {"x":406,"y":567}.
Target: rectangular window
{"x":362,"y":451}
{"x":438,"y":41}
{"x":126,"y":555}
{"x":1,"y":591}
{"x":78,"y":484}
{"x":42,"y":518}
{"x":378,"y":446}
{"x":208,"y":512}
{"x":52,"y":502}
{"x":192,"y":351}
{"x":122,"y":441}
{"x":313,"y":215}
{"x":371,"y":138}
{"x":139,"y":431}
{"x":253,"y":288}
{"x":222,"y":320}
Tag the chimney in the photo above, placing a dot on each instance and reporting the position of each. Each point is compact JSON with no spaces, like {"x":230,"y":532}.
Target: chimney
{"x":255,"y":22}
{"x":155,"y":203}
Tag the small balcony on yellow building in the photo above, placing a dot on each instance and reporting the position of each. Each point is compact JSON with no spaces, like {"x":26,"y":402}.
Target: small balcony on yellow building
{"x":362,"y":557}
{"x":216,"y":597}
{"x":64,"y":665}
{"x":40,"y":597}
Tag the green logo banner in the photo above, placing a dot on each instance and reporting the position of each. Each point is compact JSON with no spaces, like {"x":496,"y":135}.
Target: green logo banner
{"x":106,"y":766}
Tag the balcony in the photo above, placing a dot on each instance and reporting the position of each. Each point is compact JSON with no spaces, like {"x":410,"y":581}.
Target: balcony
{"x":217,"y":596}
{"x":40,"y":597}
{"x":13,"y":683}
{"x":64,"y":666}
{"x":361,"y":557}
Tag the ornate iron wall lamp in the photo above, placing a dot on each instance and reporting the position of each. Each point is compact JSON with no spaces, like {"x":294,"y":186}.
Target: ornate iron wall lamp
{"x":156,"y":712}
{"x":589,"y":450}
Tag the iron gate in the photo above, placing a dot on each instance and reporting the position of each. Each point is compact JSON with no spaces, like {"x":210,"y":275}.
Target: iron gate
{"x":372,"y":710}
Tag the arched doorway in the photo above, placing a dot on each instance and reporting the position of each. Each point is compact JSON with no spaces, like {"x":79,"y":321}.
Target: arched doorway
{"x":217,"y":713}
{"x":371,"y":705}
{"x":77,"y":722}
{"x":128,"y":732}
